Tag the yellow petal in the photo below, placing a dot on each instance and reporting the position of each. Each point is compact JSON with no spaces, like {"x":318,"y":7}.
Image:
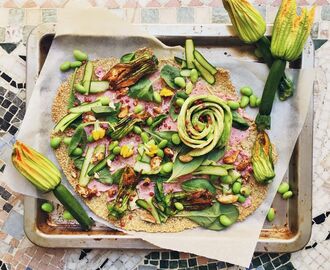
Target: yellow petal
{"x":165,"y":92}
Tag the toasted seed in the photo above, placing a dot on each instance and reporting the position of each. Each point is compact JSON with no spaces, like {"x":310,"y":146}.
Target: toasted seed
{"x":47,"y":207}
{"x":179,"y":206}
{"x":179,"y":102}
{"x":167,"y":167}
{"x":55,"y":142}
{"x":176,"y":139}
{"x":224,"y":220}
{"x":157,"y":97}
{"x":163,"y":143}
{"x":236,"y":187}
{"x":144,"y":137}
{"x":253,"y":101}
{"x":116,"y":150}
{"x":75,"y":64}
{"x":185,"y":158}
{"x":138,"y":108}
{"x":67,"y":215}
{"x":179,"y":81}
{"x":244,"y":101}
{"x":287,"y":195}
{"x":234,"y":105}
{"x":65,"y":66}
{"x":271,"y":214}
{"x":79,"y":55}
{"x":168,"y":152}
{"x":284,"y":187}
{"x":77,"y":152}
{"x":246,"y":91}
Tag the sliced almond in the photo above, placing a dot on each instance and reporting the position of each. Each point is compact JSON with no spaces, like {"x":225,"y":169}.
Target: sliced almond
{"x":227,"y":199}
{"x":231,"y":158}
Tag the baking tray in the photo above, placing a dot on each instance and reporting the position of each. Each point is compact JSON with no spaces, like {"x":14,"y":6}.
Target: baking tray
{"x":292,"y":227}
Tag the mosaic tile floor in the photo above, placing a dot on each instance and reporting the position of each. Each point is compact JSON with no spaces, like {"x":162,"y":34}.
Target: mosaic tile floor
{"x":16,"y":252}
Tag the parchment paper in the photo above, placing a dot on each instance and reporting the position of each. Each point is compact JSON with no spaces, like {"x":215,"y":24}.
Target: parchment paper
{"x":235,"y":245}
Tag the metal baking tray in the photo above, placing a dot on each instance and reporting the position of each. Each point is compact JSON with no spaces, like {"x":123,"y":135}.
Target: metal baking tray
{"x":292,"y":227}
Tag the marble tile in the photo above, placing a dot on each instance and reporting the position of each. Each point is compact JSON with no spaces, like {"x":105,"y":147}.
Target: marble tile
{"x":203,"y":15}
{"x":185,"y":15}
{"x":220,"y":15}
{"x":325,"y":14}
{"x":14,"y":225}
{"x":167,"y":15}
{"x":16,"y":16}
{"x":149,"y":15}
{"x":49,"y":15}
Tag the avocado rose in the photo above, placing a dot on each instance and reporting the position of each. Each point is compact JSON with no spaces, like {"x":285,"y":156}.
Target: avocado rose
{"x":204,"y":123}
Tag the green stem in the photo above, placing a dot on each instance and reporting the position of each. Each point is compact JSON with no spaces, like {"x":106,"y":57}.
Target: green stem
{"x":275,"y":74}
{"x":73,"y":206}
{"x":263,"y":46}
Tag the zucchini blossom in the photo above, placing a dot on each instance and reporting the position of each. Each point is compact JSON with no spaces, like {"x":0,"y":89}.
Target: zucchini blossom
{"x":291,"y":30}
{"x":262,"y":159}
{"x":247,"y":21}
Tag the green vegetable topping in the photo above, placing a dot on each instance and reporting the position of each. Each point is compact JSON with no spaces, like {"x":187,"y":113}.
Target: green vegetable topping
{"x":175,"y":139}
{"x":167,"y":167}
{"x":253,"y":101}
{"x":179,"y":206}
{"x":137,"y":130}
{"x":271,"y":214}
{"x":179,"y":102}
{"x":168,"y":74}
{"x":246,"y":91}
{"x":67,"y":215}
{"x":116,"y":150}
{"x":75,"y":64}
{"x":79,"y":55}
{"x":244,"y":101}
{"x":144,"y":137}
{"x":284,"y":187}
{"x":225,"y":221}
{"x":234,"y":105}
{"x":65,"y":66}
{"x":47,"y":207}
{"x":287,"y":195}
{"x":55,"y":142}
{"x":138,"y":108}
{"x":194,"y":75}
{"x":179,"y":81}
{"x":150,"y":121}
{"x":77,"y":152}
{"x":157,"y":97}
{"x":67,"y":140}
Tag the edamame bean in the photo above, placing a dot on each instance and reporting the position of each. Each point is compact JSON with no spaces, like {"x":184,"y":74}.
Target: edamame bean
{"x":236,"y":187}
{"x":241,"y":198}
{"x":67,"y":215}
{"x":185,"y":72}
{"x":167,"y":167}
{"x":284,"y":187}
{"x":271,"y":214}
{"x":189,"y":88}
{"x":79,"y":55}
{"x":246,"y":191}
{"x":176,"y":139}
{"x":47,"y":207}
{"x":157,"y":97}
{"x":258,"y":102}
{"x":79,"y":88}
{"x":193,"y":75}
{"x":246,"y":91}
{"x":65,"y":66}
{"x":226,"y":179}
{"x":160,"y":153}
{"x":116,"y":150}
{"x":138,"y":108}
{"x":144,"y":137}
{"x":104,"y":100}
{"x":179,"y":206}
{"x":224,"y":220}
{"x":137,"y":130}
{"x":55,"y":142}
{"x":67,"y":140}
{"x":90,"y":138}
{"x":287,"y":195}
{"x":253,"y":101}
{"x":234,"y":105}
{"x":244,"y":101}
{"x":77,"y":152}
{"x":179,"y":102}
{"x":179,"y":81}
{"x":163,"y":144}
{"x":150,"y":121}
{"x":75,"y":64}
{"x":112,"y":145}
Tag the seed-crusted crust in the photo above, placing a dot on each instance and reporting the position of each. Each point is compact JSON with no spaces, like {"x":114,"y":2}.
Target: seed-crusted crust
{"x":132,"y":220}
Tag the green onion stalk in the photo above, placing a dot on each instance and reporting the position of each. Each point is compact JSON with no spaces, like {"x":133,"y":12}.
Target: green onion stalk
{"x":251,"y":27}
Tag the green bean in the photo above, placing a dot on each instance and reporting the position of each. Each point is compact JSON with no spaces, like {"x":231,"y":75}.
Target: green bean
{"x":246,"y":91}
{"x":144,"y":137}
{"x":77,"y":152}
{"x":160,"y":153}
{"x":150,"y":120}
{"x":116,"y":150}
{"x":67,"y":215}
{"x":245,"y":191}
{"x":287,"y":195}
{"x":79,"y":88}
{"x":157,"y":97}
{"x":75,"y":64}
{"x":189,"y":88}
{"x":79,"y":55}
{"x":284,"y":187}
{"x":163,"y":143}
{"x":55,"y":142}
{"x":179,"y":102}
{"x":176,"y":139}
{"x":179,"y":206}
{"x":234,"y":105}
{"x":253,"y":101}
{"x":137,"y":130}
{"x":244,"y":101}
{"x":224,"y":220}
{"x":179,"y":81}
{"x":65,"y":66}
{"x":112,"y":145}
{"x":138,"y":108}
{"x":271,"y":214}
{"x":167,"y":167}
{"x":67,"y":140}
{"x":47,"y":207}
{"x":241,"y":198}
{"x":193,"y":75}
{"x":236,"y":187}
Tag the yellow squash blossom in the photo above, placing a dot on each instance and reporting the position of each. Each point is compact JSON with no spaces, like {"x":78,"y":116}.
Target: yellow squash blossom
{"x":165,"y":92}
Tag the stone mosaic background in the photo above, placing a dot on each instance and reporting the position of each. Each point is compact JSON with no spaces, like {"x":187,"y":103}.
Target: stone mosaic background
{"x":18,"y":17}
